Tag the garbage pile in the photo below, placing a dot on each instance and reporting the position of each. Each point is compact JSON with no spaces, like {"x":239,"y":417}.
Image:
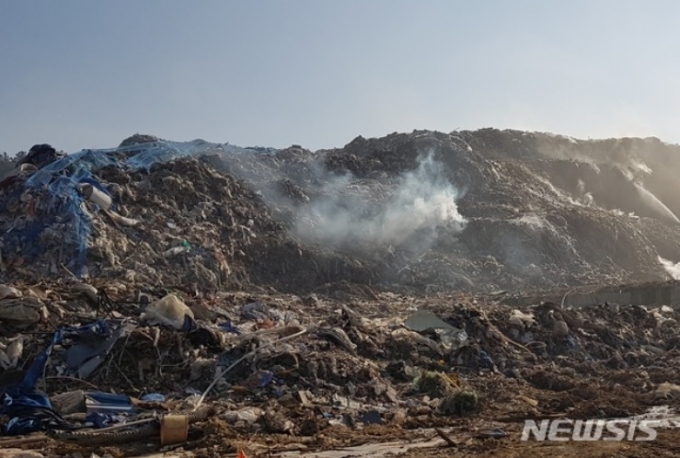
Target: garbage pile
{"x":212,"y":299}
{"x":536,"y":210}
{"x":541,"y":211}
{"x":422,"y":212}
{"x":104,"y":368}
{"x":129,"y":214}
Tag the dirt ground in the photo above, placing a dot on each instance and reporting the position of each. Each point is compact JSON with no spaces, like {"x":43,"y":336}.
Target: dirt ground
{"x":666,"y":445}
{"x":384,"y":442}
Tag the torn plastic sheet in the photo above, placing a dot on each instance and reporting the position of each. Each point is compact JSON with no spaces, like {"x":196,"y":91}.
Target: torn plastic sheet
{"x":35,"y":371}
{"x":153,"y":397}
{"x":59,"y":204}
{"x":227,"y":326}
{"x":92,"y":343}
{"x":102,"y":420}
{"x":28,"y":409}
{"x":259,"y":311}
{"x":266,"y":377}
{"x":451,"y":338}
{"x":74,"y":166}
{"x":422,"y":320}
{"x":141,"y":156}
{"x":29,"y":412}
{"x":165,"y":151}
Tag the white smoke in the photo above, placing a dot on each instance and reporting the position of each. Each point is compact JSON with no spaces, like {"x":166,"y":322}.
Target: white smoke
{"x":586,"y":198}
{"x":416,"y":206}
{"x":641,"y":166}
{"x":535,"y":222}
{"x":672,"y":268}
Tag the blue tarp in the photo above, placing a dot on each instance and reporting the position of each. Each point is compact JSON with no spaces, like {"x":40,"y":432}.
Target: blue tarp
{"x":31,"y":410}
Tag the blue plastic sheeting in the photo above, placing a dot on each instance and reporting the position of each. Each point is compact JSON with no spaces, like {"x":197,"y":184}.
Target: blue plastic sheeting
{"x":166,"y":151}
{"x":30,"y":410}
{"x":266,"y":378}
{"x":153,"y":397}
{"x":102,"y":420}
{"x":136,"y":157}
{"x":35,"y":371}
{"x":91,"y":344}
{"x":107,"y":403}
{"x":59,"y":202}
{"x":227,"y":326}
{"x":74,"y":166}
{"x":56,"y":184}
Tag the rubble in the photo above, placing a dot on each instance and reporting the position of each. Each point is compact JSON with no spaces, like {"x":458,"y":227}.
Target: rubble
{"x":370,"y":370}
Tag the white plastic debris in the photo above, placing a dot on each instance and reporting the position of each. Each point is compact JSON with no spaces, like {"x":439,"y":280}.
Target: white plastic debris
{"x":170,"y":311}
{"x":14,"y":351}
{"x":521,"y":320}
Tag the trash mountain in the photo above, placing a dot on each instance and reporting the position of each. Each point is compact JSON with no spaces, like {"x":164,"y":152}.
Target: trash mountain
{"x":426,"y":211}
{"x":211,"y":300}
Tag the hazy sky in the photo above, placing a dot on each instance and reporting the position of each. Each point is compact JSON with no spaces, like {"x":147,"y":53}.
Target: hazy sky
{"x":86,"y":74}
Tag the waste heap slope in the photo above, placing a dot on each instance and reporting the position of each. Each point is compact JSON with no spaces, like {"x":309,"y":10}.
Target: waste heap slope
{"x":423,"y":211}
{"x":158,"y":215}
{"x":482,"y":210}
{"x":538,"y":210}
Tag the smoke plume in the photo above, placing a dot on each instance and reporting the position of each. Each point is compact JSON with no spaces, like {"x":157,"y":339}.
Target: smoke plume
{"x":352,"y":213}
{"x":672,"y":268}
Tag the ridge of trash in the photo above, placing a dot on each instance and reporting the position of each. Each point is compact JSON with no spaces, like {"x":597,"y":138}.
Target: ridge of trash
{"x":487,"y":210}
